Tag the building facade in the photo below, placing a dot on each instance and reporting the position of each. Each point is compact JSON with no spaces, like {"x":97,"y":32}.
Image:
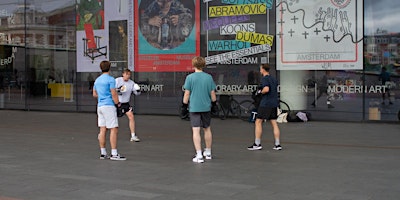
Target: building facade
{"x":328,"y":57}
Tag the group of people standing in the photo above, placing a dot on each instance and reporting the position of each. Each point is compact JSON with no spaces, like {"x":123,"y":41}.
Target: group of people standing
{"x":199,"y":100}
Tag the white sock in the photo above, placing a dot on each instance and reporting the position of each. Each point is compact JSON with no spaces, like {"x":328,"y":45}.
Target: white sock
{"x":257,"y":141}
{"x":114,"y":152}
{"x":207,"y":151}
{"x":103,"y":151}
{"x":277,"y":142}
{"x":133,"y":134}
{"x":198,"y":154}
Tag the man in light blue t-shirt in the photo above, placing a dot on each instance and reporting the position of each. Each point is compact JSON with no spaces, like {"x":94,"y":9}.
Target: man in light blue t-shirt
{"x":107,"y":97}
{"x":200,"y":90}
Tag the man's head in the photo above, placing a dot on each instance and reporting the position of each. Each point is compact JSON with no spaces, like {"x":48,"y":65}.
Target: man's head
{"x":105,"y":66}
{"x":126,"y":74}
{"x":164,"y":5}
{"x":198,"y":62}
{"x":264,"y":69}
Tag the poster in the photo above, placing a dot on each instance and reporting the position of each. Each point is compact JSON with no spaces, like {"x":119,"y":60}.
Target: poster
{"x":167,"y":36}
{"x":319,"y":34}
{"x":238,"y":32}
{"x":104,"y":32}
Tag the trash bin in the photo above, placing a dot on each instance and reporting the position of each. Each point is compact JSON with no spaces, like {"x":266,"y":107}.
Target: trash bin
{"x":374,"y":111}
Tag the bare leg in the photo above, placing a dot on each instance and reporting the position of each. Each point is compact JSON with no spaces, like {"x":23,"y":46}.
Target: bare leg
{"x":113,"y":137}
{"x":196,"y":138}
{"x":258,"y":128}
{"x":208,"y":137}
{"x":275,"y":129}
{"x":131,"y":118}
{"x":102,"y":137}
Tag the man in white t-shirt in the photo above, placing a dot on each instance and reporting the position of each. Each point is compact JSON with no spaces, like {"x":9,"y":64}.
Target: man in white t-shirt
{"x":125,"y":87}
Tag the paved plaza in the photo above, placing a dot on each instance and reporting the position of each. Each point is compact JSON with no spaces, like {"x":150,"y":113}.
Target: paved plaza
{"x":55,"y":156}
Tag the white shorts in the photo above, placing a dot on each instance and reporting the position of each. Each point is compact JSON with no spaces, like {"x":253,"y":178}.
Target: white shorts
{"x":107,"y":116}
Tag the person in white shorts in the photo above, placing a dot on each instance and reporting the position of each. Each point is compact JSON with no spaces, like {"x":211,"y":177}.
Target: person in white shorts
{"x":125,"y":87}
{"x":106,"y":94}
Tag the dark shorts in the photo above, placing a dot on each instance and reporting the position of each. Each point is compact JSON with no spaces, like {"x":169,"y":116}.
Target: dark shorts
{"x":124,"y":108}
{"x":200,"y":119}
{"x":267,"y":113}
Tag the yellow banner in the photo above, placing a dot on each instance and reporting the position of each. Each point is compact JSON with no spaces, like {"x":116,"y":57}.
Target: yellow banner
{"x":255,"y":38}
{"x":234,"y":10}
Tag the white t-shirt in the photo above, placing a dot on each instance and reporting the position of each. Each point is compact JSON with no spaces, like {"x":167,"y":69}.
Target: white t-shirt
{"x":125,"y":89}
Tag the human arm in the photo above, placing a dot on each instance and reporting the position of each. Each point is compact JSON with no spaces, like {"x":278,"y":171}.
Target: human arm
{"x":213,"y":96}
{"x":186,"y":96}
{"x":95,"y":95}
{"x":114,"y":95}
{"x":265,"y":90}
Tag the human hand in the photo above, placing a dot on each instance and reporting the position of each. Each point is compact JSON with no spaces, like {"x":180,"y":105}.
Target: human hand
{"x":214,"y":108}
{"x":174,"y":19}
{"x":155,"y":21}
{"x":184,"y":110}
{"x":344,"y":19}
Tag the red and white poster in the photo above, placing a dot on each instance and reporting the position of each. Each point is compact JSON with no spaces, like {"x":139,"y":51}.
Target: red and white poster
{"x":104,"y":32}
{"x":319,"y":35}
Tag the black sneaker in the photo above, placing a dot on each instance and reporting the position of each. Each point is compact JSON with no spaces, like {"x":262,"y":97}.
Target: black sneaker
{"x":103,"y":157}
{"x":277,"y":147}
{"x":254,"y":147}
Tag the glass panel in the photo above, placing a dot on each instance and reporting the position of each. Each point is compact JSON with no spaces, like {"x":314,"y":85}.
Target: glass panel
{"x":382,"y":60}
{"x":51,"y":66}
{"x":12,"y":55}
{"x":335,"y":95}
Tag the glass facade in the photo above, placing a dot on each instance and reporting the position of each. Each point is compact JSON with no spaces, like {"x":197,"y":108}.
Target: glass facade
{"x":328,"y":57}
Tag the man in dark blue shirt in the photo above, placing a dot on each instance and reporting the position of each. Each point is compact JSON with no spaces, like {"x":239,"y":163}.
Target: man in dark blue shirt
{"x":267,"y":109}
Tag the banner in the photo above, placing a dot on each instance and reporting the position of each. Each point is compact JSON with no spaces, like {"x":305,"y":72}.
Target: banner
{"x":104,"y":32}
{"x":167,"y":35}
{"x":319,"y":35}
{"x":237,"y":32}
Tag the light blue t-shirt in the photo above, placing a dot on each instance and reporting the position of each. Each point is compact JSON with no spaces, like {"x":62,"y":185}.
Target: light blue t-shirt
{"x":103,"y":86}
{"x":200,"y":85}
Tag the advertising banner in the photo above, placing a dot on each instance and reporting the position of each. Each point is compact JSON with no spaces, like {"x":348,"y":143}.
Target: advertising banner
{"x":167,"y":35}
{"x":319,"y":35}
{"x":238,"y":32}
{"x":104,"y":32}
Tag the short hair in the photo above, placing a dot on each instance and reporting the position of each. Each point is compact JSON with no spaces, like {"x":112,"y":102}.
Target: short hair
{"x":265,"y":67}
{"x":198,"y":62}
{"x":126,"y":70}
{"x":105,"y":66}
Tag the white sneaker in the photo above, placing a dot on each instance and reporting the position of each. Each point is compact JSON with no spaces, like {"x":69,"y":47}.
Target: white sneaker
{"x":207,"y":156}
{"x":117,"y":157}
{"x":135,"y":139}
{"x":198,"y":159}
